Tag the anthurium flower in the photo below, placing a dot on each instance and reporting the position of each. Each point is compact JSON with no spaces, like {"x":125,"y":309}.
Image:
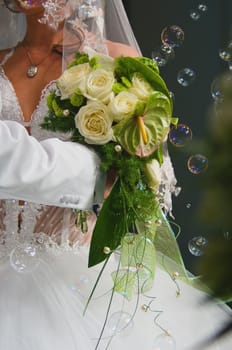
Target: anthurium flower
{"x":142,"y":135}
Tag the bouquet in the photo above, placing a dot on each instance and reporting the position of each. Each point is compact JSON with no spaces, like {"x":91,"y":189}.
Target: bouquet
{"x":123,"y":110}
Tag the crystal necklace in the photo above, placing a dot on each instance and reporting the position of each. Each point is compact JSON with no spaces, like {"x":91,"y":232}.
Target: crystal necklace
{"x":33,"y":68}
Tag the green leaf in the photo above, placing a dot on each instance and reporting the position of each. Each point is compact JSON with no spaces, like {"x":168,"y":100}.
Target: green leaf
{"x":156,"y":119}
{"x":111,"y":226}
{"x":127,"y":66}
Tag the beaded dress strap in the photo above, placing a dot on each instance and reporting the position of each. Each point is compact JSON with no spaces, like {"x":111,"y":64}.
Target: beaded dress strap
{"x":7,"y":56}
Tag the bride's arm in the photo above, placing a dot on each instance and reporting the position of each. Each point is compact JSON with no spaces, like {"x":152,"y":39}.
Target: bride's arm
{"x":50,"y":172}
{"x":118,"y":49}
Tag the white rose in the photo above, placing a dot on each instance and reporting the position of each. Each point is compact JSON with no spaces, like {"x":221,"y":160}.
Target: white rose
{"x":140,"y":87}
{"x":153,"y":173}
{"x":99,"y":85}
{"x":94,"y":123}
{"x":123,"y":105}
{"x":72,"y":79}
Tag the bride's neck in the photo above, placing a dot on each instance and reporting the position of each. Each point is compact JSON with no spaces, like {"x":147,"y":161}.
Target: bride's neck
{"x":41,"y":35}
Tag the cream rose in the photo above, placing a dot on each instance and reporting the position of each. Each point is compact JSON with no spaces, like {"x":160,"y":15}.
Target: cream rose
{"x":94,"y":123}
{"x":123,"y":105}
{"x":72,"y":79}
{"x":99,"y":85}
{"x":153,"y":174}
{"x":140,"y":87}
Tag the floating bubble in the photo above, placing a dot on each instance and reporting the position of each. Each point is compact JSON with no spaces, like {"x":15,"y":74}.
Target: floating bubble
{"x":225,"y":54}
{"x":188,"y":205}
{"x":24,"y":258}
{"x":167,"y":51}
{"x":197,"y":245}
{"x":216,"y":89}
{"x":172,"y":95}
{"x":162,"y":55}
{"x":164,"y":342}
{"x":203,"y":7}
{"x":172,"y":36}
{"x":195,"y":15}
{"x":82,"y":286}
{"x":197,"y":164}
{"x":220,"y":85}
{"x":186,"y":76}
{"x":159,"y":58}
{"x":120,"y":322}
{"x":180,"y":135}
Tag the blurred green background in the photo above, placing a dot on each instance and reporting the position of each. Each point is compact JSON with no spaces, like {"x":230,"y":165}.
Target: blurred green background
{"x":204,"y":38}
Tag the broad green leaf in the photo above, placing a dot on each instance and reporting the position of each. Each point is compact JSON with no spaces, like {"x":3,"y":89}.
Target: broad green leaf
{"x":110,"y":226}
{"x":127,"y":66}
{"x":156,"y":120}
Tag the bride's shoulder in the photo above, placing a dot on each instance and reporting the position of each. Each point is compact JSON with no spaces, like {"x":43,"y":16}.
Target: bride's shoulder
{"x":117,"y":49}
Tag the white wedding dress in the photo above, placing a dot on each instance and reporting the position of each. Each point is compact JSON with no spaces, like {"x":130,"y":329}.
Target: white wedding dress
{"x":45,"y":282}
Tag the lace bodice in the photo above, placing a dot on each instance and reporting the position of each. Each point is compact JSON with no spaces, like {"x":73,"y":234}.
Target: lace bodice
{"x":49,"y":227}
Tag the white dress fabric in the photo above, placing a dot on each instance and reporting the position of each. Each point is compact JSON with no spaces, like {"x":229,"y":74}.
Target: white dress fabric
{"x":45,"y":281}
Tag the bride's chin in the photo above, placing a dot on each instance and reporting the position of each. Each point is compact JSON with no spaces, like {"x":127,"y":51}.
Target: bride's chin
{"x":30,"y":7}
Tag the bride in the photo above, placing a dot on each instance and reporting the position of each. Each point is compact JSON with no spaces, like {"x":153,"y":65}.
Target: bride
{"x":45,"y":282}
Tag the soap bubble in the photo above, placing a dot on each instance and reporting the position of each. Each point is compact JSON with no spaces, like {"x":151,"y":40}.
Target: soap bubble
{"x":221,"y":87}
{"x":180,"y":135}
{"x":195,"y":15}
{"x":202,"y":7}
{"x":216,"y":89}
{"x":120,"y":322}
{"x":167,"y":51}
{"x":225,"y":54}
{"x":164,"y":342}
{"x":162,"y":55}
{"x":159,"y":58}
{"x":186,"y":77}
{"x":172,"y":36}
{"x":197,"y":164}
{"x":82,"y":286}
{"x":197,"y":245}
{"x":24,"y":258}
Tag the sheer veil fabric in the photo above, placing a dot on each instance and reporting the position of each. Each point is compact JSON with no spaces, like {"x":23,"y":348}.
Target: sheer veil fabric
{"x":116,"y":25}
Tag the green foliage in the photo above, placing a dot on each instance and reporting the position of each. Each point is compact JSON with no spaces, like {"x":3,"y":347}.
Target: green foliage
{"x":77,"y":99}
{"x":118,"y":87}
{"x":79,"y":59}
{"x":93,"y":62}
{"x":149,"y":63}
{"x":51,"y":122}
{"x":127,"y":66}
{"x":126,"y":82}
{"x":131,"y":200}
